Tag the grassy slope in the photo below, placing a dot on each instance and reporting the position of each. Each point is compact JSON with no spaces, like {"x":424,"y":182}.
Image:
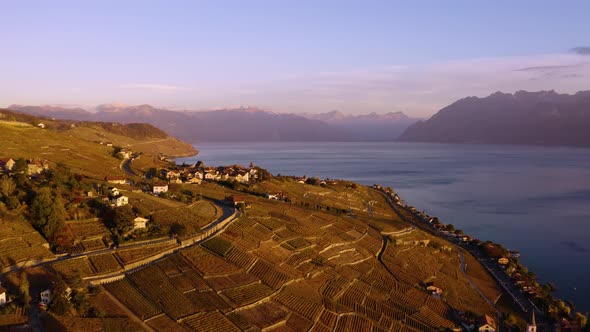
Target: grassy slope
{"x":77,"y":146}
{"x":81,"y":156}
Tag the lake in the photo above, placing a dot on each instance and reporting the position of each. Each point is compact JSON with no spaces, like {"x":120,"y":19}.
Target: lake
{"x":532,"y":199}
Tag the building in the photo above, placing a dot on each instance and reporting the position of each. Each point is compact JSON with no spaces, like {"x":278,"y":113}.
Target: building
{"x":46,"y":296}
{"x":120,"y":201}
{"x":160,"y":188}
{"x":175,"y":180}
{"x":7,"y":164}
{"x":194,"y":180}
{"x":503,"y":260}
{"x":36,"y":166}
{"x":113,"y":191}
{"x":172,"y":174}
{"x":139,"y":223}
{"x":234,"y":200}
{"x":486,"y":324}
{"x":3,"y":298}
{"x":433,"y":289}
{"x":41,"y":125}
{"x":532,"y":325}
{"x":116,"y":179}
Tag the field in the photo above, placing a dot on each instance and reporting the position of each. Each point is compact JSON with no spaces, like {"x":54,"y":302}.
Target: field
{"x":299,"y":268}
{"x":19,"y":243}
{"x":104,"y":263}
{"x":73,"y":268}
{"x":84,"y":157}
{"x":76,"y":146}
{"x":132,"y":255}
{"x":425,"y":263}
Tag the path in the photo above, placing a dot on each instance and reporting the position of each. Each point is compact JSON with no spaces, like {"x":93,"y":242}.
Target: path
{"x":474,"y":286}
{"x":380,"y":257}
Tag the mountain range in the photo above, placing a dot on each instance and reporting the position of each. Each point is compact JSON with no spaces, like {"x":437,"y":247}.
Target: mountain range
{"x":241,"y":124}
{"x":539,"y":118}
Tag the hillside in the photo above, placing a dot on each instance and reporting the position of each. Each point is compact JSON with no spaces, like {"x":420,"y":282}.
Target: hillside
{"x":543,"y":118}
{"x":77,"y":143}
{"x":243,"y":124}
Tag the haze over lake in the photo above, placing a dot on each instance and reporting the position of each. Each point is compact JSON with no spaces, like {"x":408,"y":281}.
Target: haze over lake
{"x":532,"y":199}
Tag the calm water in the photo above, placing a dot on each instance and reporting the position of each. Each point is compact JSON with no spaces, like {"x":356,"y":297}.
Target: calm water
{"x":533,"y":199}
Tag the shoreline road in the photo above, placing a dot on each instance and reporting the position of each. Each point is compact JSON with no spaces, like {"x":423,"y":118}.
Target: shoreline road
{"x":498,"y":274}
{"x":474,"y":286}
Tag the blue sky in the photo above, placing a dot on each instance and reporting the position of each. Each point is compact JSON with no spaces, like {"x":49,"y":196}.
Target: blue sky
{"x":289,"y":56}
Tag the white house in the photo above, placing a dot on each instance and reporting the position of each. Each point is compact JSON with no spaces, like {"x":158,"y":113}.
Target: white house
{"x":173,"y":174}
{"x":113,"y":191}
{"x":7,"y":163}
{"x":46,"y":296}
{"x":120,"y":201}
{"x":41,"y":125}
{"x":3,"y":298}
{"x":243,"y":177}
{"x":139,"y":223}
{"x":486,"y":324}
{"x":194,"y":180}
{"x":160,"y":188}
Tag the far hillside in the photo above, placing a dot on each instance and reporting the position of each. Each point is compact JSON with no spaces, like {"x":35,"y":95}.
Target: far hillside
{"x":89,"y":148}
{"x":539,"y":118}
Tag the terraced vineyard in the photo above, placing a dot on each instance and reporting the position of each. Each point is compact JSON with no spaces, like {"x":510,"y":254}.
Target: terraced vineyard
{"x":104,"y":263}
{"x":20,"y":243}
{"x":288,"y":266}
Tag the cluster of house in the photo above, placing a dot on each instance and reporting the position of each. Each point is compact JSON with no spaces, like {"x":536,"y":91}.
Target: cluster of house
{"x":197,"y":173}
{"x":276,"y":196}
{"x":486,"y":323}
{"x":116,"y":199}
{"x":104,"y":143}
{"x":34,"y":166}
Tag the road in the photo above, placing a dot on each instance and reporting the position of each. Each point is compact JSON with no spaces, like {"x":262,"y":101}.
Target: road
{"x":126,"y":166}
{"x":209,"y":230}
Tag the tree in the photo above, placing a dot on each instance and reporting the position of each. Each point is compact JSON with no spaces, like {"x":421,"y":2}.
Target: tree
{"x":122,"y":219}
{"x":80,"y":303}
{"x":450,"y":227}
{"x":581,"y":319}
{"x":7,"y":186}
{"x":47,"y":212}
{"x":20,"y":166}
{"x":60,"y":303}
{"x":24,"y":289}
{"x":177,"y":229}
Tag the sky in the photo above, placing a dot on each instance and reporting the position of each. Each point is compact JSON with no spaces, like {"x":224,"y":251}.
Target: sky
{"x":289,"y":56}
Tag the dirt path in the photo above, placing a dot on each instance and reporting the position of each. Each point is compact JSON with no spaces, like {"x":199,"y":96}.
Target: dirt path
{"x":474,"y":286}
